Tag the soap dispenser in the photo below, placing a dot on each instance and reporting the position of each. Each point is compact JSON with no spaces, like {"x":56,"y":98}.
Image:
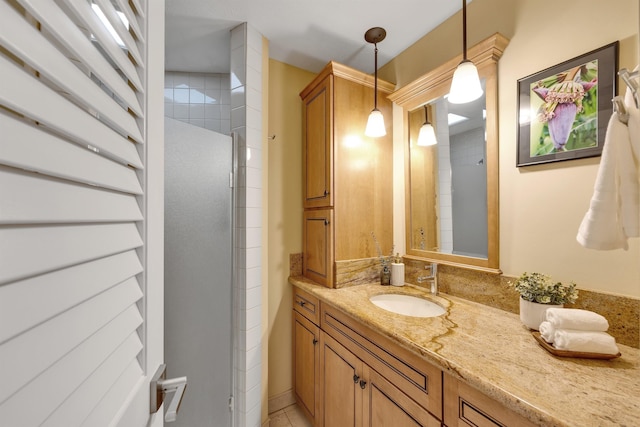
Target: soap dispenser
{"x":397,"y":271}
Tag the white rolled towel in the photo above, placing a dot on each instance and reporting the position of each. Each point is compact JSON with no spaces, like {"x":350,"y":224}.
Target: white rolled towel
{"x":547,"y":331}
{"x":578,"y":319}
{"x":585,"y":341}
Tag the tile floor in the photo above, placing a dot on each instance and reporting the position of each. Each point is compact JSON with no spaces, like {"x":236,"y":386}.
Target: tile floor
{"x":291,"y":416}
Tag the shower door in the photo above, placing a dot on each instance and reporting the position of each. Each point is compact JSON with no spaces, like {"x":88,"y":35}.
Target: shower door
{"x":198,"y":270}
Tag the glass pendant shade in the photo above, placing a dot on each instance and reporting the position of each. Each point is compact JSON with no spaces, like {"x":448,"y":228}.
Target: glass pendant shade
{"x":375,"y":125}
{"x":427,"y":136}
{"x":465,"y":86}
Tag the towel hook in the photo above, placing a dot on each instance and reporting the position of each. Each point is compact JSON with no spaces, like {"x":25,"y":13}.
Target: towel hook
{"x":620,"y":109}
{"x":632,"y":80}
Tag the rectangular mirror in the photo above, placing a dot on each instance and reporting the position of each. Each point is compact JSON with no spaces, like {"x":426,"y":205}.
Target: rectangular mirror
{"x":452,"y":186}
{"x":448,"y":180}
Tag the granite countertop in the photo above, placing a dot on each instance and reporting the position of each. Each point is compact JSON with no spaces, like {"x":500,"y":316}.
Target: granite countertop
{"x":492,"y":351}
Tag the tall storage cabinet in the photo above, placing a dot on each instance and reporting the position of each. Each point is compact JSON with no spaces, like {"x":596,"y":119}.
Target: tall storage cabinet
{"x":347,"y":177}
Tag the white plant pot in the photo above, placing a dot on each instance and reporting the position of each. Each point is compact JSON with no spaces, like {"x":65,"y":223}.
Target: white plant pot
{"x":533,"y":313}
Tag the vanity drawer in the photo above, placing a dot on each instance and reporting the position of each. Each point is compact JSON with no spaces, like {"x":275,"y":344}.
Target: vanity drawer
{"x":415,"y":377}
{"x":465,"y":406}
{"x":306,"y":304}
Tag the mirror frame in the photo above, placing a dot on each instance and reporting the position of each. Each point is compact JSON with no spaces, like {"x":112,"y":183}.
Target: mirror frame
{"x":433,"y":85}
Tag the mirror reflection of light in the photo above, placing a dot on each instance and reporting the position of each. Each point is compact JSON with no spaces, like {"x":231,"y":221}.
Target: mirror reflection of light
{"x":452,"y":119}
{"x":352,"y":141}
{"x":248,"y":154}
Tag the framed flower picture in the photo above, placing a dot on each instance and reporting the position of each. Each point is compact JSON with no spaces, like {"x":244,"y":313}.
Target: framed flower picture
{"x":563,"y":111}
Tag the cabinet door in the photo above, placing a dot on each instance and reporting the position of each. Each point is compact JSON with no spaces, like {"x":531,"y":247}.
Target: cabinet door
{"x":317,"y":241}
{"x":341,"y":373}
{"x":306,"y":363}
{"x":317,"y":151}
{"x":386,"y":406}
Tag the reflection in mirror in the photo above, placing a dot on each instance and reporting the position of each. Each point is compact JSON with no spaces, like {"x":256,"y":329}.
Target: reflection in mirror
{"x":452,"y":187}
{"x":448,"y":193}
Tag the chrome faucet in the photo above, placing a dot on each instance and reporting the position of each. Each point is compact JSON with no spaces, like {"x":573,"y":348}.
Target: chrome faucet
{"x":433,"y":277}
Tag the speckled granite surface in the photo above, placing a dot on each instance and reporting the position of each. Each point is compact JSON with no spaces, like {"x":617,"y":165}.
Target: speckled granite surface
{"x":491,"y":350}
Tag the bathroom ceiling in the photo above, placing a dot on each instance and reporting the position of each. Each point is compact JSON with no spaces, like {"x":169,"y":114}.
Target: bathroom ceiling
{"x":303,"y":33}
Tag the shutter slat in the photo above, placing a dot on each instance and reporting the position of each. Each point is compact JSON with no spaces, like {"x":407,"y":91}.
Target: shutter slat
{"x":59,"y":291}
{"x":25,"y":253}
{"x":112,"y":401}
{"x":90,"y":393}
{"x":27,"y":95}
{"x":19,"y":37}
{"x":41,"y":347}
{"x":35,"y":148}
{"x":50,"y":15}
{"x":44,"y":200}
{"x":132,"y":18}
{"x":110,"y":12}
{"x":51,"y":388}
{"x":83,"y":11}
{"x":138,"y":7}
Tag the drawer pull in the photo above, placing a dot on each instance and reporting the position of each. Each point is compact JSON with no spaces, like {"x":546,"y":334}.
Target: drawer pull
{"x":315,"y":341}
{"x":301,"y":303}
{"x":356,"y":378}
{"x":363,"y":384}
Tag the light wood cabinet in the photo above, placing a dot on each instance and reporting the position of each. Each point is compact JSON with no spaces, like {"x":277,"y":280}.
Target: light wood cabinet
{"x":306,"y":354}
{"x":318,"y":245}
{"x":354,"y":394}
{"x":367,"y":380}
{"x":465,"y":406}
{"x":344,"y":171}
{"x":347,"y":374}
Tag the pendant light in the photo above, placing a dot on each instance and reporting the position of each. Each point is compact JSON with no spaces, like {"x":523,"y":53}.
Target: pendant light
{"x":427,"y":135}
{"x":465,"y":85}
{"x":375,"y":125}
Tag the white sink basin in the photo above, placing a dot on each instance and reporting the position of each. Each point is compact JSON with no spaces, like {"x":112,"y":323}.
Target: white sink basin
{"x":407,"y":305}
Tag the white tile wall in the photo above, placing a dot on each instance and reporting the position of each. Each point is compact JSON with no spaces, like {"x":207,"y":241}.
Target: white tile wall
{"x":201,"y":99}
{"x":246,"y":123}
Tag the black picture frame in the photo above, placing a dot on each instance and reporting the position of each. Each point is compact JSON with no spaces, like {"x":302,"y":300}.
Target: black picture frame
{"x":545,"y":130}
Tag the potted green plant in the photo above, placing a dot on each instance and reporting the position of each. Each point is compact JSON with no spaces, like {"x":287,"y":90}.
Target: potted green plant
{"x":538,"y":293}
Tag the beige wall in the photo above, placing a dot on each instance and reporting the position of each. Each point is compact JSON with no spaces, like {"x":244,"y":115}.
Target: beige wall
{"x":540,"y":206}
{"x":284,"y":212}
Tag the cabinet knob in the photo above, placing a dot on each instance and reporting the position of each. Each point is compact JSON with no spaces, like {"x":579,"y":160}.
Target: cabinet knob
{"x":315,"y":341}
{"x":301,"y":303}
{"x":356,"y":378}
{"x":326,"y":192}
{"x":363,"y":384}
{"x":326,"y":222}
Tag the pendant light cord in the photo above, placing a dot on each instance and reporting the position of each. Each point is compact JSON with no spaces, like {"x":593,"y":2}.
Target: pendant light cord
{"x":464,"y":30}
{"x":375,"y":78}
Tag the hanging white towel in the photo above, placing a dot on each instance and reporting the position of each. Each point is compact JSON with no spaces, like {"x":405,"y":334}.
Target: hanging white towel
{"x":602,"y":225}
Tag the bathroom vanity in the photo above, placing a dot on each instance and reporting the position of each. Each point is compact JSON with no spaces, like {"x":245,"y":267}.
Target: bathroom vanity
{"x":357,"y":364}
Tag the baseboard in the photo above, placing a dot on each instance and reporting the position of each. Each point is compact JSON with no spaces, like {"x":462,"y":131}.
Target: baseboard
{"x":281,"y":401}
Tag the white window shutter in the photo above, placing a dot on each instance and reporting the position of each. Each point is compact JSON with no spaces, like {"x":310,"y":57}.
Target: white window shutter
{"x":72,"y":206}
